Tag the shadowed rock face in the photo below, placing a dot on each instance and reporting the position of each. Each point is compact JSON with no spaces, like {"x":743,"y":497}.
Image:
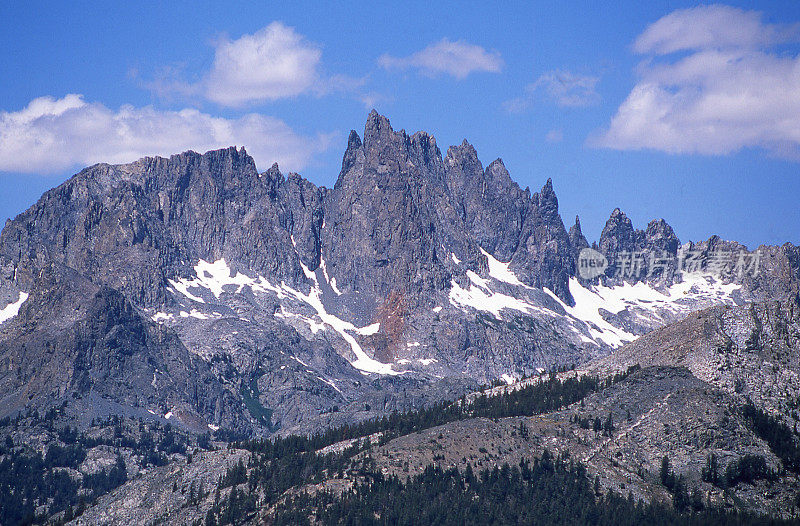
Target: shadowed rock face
{"x":576,"y":237}
{"x":509,"y":223}
{"x":76,"y":340}
{"x":390,"y":224}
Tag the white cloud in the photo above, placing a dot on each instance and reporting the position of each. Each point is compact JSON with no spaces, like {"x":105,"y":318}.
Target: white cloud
{"x":554,"y":136}
{"x":272,"y":63}
{"x":53,"y":135}
{"x":457,"y":59}
{"x":565,"y":89}
{"x":712,"y":26}
{"x":727,"y":90}
{"x":569,"y":89}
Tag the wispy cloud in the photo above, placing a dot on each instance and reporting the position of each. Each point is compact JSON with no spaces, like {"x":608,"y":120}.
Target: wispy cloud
{"x":726,"y":90}
{"x":562,"y":87}
{"x":455,"y":58}
{"x":53,"y":135}
{"x":712,"y":27}
{"x":554,"y":136}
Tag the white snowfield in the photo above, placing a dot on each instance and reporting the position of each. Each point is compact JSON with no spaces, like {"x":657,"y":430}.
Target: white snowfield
{"x":496,"y":294}
{"x":12,"y":309}
{"x":585,"y":317}
{"x":216,"y":276}
{"x":501,"y":272}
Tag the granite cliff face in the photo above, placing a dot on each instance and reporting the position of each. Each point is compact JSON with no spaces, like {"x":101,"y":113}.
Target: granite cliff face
{"x":416,"y":277}
{"x":399,"y":212}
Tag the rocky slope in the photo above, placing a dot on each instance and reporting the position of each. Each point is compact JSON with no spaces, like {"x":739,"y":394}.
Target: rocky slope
{"x":748,"y":351}
{"x":656,"y":412}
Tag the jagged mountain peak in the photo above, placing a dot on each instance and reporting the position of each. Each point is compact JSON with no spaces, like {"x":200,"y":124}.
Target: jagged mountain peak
{"x":463,"y":157}
{"x":660,"y":235}
{"x":378,"y":130}
{"x":230,"y":157}
{"x":618,"y":216}
{"x":497,"y":172}
{"x":618,"y":234}
{"x":548,"y":202}
{"x":576,"y":237}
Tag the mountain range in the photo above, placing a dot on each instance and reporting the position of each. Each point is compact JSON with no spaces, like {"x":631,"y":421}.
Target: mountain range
{"x":200,"y":293}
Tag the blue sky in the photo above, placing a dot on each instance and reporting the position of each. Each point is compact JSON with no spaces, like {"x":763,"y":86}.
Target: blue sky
{"x":685,"y":111}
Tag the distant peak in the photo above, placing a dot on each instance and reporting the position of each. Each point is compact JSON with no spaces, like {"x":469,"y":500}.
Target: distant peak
{"x":497,"y":171}
{"x":548,"y":202}
{"x":273,"y":175}
{"x":497,"y":163}
{"x":353,"y":141}
{"x":377,"y":130}
{"x":462,"y":152}
{"x":376,"y":121}
{"x":618,"y":221}
{"x":423,"y":136}
{"x":576,"y":237}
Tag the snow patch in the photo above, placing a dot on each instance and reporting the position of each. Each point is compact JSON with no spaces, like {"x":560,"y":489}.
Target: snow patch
{"x":330,"y":382}
{"x":215,"y":276}
{"x":12,"y":309}
{"x":369,"y":330}
{"x":363,"y":361}
{"x":500,"y":271}
{"x":312,"y":324}
{"x":482,"y":298}
{"x":330,"y":281}
{"x":427,"y":361}
{"x":160,"y":317}
{"x":586,"y":309}
{"x":193,"y":314}
{"x":301,"y":362}
{"x":677,"y":298}
{"x":508,"y":379}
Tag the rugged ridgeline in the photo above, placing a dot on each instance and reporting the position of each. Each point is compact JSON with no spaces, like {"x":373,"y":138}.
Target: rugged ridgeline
{"x":198,"y":290}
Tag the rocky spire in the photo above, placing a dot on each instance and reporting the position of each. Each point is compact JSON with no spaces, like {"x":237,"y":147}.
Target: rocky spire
{"x":576,"y":237}
{"x":619,"y":235}
{"x":660,"y":236}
